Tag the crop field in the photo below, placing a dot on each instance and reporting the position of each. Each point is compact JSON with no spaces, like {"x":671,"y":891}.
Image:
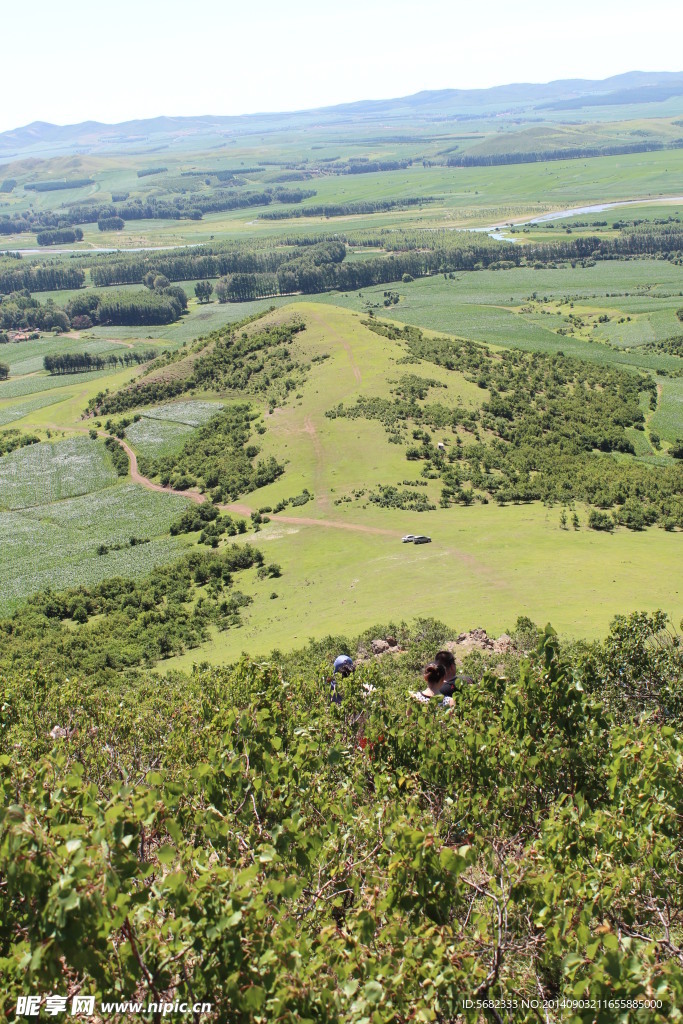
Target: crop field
{"x":11,"y":411}
{"x":667,"y":421}
{"x":55,"y":545}
{"x":43,"y":473}
{"x":193,"y":414}
{"x":37,"y":382}
{"x":164,"y":429}
{"x":158,"y":437}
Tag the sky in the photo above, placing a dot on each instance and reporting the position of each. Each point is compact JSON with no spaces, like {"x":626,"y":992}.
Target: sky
{"x":76,"y":60}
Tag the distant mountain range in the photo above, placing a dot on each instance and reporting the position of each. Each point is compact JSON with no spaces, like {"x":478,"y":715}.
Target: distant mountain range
{"x":41,"y":139}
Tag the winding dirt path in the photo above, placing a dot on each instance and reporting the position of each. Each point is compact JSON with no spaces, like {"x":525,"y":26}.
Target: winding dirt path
{"x":244,"y":510}
{"x":137,"y":477}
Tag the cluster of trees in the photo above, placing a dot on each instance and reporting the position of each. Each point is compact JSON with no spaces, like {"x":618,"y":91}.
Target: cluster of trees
{"x":363,"y":165}
{"x":59,"y":236}
{"x":244,"y":287}
{"x":19,"y":311}
{"x":136,"y":621}
{"x":211,"y":526}
{"x":4,"y":371}
{"x":84,"y":362}
{"x":162,"y":305}
{"x":110,"y":224}
{"x":185,"y":265}
{"x":10,"y":440}
{"x":219,"y":458}
{"x":376,"y":859}
{"x":349,"y":209}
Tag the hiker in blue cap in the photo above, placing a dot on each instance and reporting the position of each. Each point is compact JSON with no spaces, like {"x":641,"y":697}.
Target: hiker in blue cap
{"x":343,"y":667}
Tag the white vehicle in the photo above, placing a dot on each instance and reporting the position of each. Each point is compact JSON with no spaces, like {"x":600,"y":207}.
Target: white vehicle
{"x":408,"y":539}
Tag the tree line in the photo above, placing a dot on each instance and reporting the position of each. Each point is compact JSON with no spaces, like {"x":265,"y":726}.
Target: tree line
{"x":349,"y":209}
{"x":56,"y":186}
{"x":52,"y":277}
{"x":84,"y":362}
{"x":189,"y":264}
{"x":59,"y":236}
{"x":573,"y":153}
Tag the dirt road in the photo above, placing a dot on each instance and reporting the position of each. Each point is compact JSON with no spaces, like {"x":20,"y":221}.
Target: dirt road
{"x":239,"y":508}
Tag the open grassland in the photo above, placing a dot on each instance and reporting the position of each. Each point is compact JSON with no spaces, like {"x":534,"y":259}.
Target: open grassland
{"x":484,"y":567}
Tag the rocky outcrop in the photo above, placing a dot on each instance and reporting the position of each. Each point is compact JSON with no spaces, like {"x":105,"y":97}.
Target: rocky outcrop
{"x":478,"y":639}
{"x":381,"y":646}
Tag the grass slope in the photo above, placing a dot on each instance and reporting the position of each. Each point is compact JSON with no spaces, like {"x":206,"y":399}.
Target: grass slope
{"x":486,"y":565}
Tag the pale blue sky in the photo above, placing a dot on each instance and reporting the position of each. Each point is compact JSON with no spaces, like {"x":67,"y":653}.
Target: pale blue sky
{"x":75,"y":60}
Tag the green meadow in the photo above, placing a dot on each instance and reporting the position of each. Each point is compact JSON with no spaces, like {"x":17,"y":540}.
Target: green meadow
{"x":484,"y":567}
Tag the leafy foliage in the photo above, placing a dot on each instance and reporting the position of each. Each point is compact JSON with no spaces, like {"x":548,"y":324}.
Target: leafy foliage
{"x":239,"y":839}
{"x":10,"y":440}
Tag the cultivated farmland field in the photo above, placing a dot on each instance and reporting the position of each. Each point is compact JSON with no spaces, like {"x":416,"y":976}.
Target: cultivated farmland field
{"x":44,"y":473}
{"x":55,"y":544}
